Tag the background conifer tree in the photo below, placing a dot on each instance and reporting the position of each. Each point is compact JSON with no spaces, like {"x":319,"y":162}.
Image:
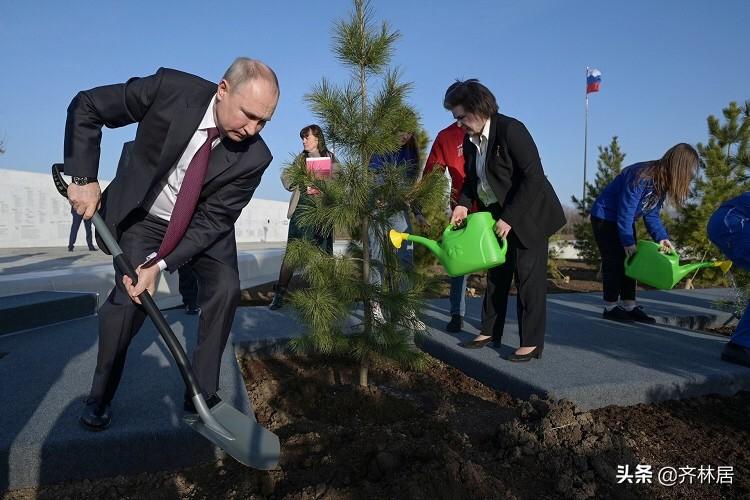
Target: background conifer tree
{"x":726,"y":160}
{"x":609,"y":164}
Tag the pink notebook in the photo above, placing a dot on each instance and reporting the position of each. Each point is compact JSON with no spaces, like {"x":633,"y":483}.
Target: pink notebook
{"x":319,"y":167}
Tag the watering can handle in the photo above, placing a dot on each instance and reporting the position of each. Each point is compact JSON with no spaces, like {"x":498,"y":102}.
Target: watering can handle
{"x":629,"y":259}
{"x":503,"y":243}
{"x":450,"y":228}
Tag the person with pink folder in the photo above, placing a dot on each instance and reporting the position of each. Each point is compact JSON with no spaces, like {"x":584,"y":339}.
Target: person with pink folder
{"x":319,"y":160}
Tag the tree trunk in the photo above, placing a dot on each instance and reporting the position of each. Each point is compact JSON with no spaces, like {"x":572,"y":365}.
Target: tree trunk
{"x":363,"y":368}
{"x":364,"y":159}
{"x":366,"y":302}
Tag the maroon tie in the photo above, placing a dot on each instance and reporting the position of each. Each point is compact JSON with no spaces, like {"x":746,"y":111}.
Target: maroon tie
{"x":187,"y":199}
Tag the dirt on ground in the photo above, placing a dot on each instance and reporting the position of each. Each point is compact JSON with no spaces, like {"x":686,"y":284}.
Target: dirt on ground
{"x":569,"y":276}
{"x":438,"y":434}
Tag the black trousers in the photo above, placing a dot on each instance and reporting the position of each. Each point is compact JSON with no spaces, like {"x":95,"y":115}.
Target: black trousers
{"x":75,"y":225}
{"x":616,"y":284}
{"x":120,"y":318}
{"x":529,"y":268}
{"x":188,"y":284}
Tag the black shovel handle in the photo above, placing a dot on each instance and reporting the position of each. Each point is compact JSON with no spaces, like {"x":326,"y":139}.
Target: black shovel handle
{"x":147,"y":301}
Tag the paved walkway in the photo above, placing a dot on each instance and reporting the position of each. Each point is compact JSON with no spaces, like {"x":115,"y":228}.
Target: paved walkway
{"x":46,"y":374}
{"x":595,"y":362}
{"x":35,"y":260}
{"x":24,"y":270}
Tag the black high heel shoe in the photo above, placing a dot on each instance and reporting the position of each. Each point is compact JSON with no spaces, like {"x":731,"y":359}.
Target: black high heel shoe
{"x":536,"y":353}
{"x":476,"y":344}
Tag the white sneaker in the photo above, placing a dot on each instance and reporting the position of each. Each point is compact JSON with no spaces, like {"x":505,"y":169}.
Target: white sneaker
{"x":413,"y":322}
{"x":377,"y":313}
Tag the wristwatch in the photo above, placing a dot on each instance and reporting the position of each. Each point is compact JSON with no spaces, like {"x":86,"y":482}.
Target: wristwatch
{"x":82,"y":181}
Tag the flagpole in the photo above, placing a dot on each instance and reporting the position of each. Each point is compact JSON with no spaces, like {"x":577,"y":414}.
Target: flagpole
{"x":585,"y":139}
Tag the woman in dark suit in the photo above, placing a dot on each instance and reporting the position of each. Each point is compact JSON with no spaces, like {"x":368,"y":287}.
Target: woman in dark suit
{"x":505,"y":177}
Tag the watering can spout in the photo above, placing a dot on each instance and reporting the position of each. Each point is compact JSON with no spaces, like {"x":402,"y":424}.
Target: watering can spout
{"x":724,"y":265}
{"x":397,"y":239}
{"x":686,"y":269}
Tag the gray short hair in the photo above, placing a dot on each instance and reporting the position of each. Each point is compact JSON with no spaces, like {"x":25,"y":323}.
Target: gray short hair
{"x":244,"y":69}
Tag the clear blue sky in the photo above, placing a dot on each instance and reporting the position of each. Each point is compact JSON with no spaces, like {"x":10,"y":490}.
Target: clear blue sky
{"x":666,"y":66}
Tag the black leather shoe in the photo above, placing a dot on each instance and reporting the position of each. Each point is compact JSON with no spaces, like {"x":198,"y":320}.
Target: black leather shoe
{"x":211,"y":401}
{"x":476,"y":344}
{"x":192,"y":309}
{"x":455,"y":324}
{"x":517,"y":358}
{"x":96,"y":417}
{"x":637,"y":314}
{"x":617,"y":313}
{"x":737,"y":354}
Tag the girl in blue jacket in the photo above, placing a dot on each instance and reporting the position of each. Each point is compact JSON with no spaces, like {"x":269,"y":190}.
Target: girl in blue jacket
{"x":638,"y":191}
{"x":729,"y":229}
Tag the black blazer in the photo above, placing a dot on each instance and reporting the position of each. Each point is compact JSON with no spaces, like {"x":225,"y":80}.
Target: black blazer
{"x":514,"y":171}
{"x":168,"y":107}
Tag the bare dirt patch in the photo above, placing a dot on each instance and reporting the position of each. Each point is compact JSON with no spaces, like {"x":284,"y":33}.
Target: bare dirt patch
{"x":441,"y":435}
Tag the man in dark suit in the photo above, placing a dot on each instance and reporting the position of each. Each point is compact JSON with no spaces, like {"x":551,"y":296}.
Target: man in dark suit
{"x":188,"y":283}
{"x":504,"y":175}
{"x":196,"y":160}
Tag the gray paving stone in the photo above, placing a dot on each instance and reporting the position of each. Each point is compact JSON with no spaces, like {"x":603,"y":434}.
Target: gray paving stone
{"x":31,"y":310}
{"x":46,"y":375}
{"x":595,"y":362}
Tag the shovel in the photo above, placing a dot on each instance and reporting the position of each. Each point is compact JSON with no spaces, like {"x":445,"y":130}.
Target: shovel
{"x":231,"y":430}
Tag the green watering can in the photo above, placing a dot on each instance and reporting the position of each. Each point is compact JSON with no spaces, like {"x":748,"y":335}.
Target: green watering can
{"x":662,"y":270}
{"x":469,"y":249}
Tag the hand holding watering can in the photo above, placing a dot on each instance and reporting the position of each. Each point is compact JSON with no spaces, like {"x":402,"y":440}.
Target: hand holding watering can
{"x":502,"y":228}
{"x":665,"y":246}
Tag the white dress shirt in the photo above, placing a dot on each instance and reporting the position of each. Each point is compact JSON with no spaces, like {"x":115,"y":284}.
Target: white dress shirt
{"x":484,"y":190}
{"x":164,"y":203}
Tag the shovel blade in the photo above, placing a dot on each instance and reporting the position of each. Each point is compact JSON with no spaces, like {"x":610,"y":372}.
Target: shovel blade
{"x":252,"y":444}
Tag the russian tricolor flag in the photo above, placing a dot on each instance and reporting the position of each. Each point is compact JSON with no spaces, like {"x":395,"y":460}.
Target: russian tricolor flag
{"x":593,"y":80}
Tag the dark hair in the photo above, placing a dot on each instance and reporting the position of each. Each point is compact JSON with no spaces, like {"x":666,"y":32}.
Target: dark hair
{"x":473,"y":96}
{"x":318,"y":133}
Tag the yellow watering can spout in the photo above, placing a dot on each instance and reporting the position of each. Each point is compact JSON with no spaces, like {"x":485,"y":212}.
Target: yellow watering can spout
{"x":724,"y":265}
{"x":397,"y":238}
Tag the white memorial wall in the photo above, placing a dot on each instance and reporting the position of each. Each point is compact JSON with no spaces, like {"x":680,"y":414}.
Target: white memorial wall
{"x":33,"y":214}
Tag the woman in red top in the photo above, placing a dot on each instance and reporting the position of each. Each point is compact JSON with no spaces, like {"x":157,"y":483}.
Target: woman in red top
{"x":447,"y":153}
